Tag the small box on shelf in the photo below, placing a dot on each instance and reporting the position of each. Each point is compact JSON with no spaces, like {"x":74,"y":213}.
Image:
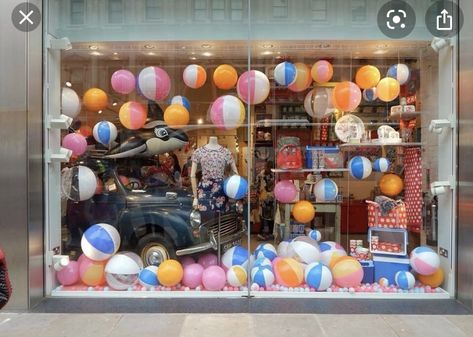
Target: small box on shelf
{"x":388,"y":241}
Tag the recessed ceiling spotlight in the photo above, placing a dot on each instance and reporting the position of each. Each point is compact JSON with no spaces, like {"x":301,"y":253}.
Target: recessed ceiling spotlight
{"x":380,"y":52}
{"x":100,"y":111}
{"x":207,"y":54}
{"x":114,"y":103}
{"x":382,"y":46}
{"x":96,"y":53}
{"x":267,"y":52}
{"x":206,"y":45}
{"x":68,"y":84}
{"x":115,"y":53}
{"x":324,"y":45}
{"x":278,"y":57}
{"x":150,"y":53}
{"x":193,"y":58}
{"x":200,"y":121}
{"x":149,"y":46}
{"x":93,"y":47}
{"x":268,"y":46}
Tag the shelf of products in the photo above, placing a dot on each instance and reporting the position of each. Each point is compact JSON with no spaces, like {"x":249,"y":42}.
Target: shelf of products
{"x":375,"y":144}
{"x":388,"y":241}
{"x":310,"y":170}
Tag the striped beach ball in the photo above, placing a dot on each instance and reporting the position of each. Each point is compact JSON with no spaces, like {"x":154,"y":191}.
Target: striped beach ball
{"x":388,"y":89}
{"x":182,"y":101}
{"x":236,"y":255}
{"x":122,"y":271}
{"x":194,"y":76}
{"x":132,"y":115}
{"x":325,"y":190}
{"x":235,"y":187}
{"x":346,"y":96}
{"x":322,"y":71}
{"x":99,"y":242}
{"x":304,"y":249}
{"x":227,"y":112}
{"x":92,"y":273}
{"x":369,"y":95}
{"x":330,"y":251}
{"x":123,"y":81}
{"x":383,"y":281}
{"x":282,"y":249}
{"x":70,"y":102}
{"x":262,"y":261}
{"x":285,"y":73}
{"x":148,"y":277}
{"x":237,"y":276}
{"x":400,"y":72}
{"x":319,"y":102}
{"x":154,"y":83}
{"x":253,"y":87}
{"x":381,"y":165}
{"x":424,"y":260}
{"x":78,"y":183}
{"x":288,"y":272}
{"x":262,"y":276}
{"x":404,"y":280}
{"x":347,"y":272}
{"x":315,"y":235}
{"x":266,"y":250}
{"x":360,"y":167}
{"x":105,"y":132}
{"x":318,"y":276}
{"x":303,"y":79}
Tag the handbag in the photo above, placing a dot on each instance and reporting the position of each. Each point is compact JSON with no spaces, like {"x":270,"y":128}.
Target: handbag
{"x":396,"y":218}
{"x":5,"y":285}
{"x":289,"y":154}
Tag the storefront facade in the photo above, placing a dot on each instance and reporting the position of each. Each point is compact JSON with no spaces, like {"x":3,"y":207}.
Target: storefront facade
{"x":147,"y":108}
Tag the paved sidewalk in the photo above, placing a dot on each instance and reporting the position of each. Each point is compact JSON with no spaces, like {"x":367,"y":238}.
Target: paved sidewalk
{"x":238,"y":325}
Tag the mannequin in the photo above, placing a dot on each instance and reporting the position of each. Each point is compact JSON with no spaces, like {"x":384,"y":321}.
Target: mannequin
{"x":213,"y":158}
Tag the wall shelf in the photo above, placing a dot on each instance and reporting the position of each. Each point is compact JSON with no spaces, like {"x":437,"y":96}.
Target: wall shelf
{"x":347,"y":145}
{"x":309,"y":170}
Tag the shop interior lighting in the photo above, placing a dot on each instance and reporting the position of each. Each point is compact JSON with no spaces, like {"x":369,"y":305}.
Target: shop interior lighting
{"x":150,"y":53}
{"x":149,"y":46}
{"x":200,"y":121}
{"x":206,"y":46}
{"x":93,"y":47}
{"x":68,"y":84}
{"x":268,"y":46}
{"x":100,"y":111}
{"x":267,"y":52}
{"x":96,"y":53}
{"x":193,"y":58}
{"x":115,"y":53}
{"x":114,"y":104}
{"x":207,"y":54}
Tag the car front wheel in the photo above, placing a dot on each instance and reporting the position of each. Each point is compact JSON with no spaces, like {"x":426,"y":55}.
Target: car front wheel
{"x":155,"y":248}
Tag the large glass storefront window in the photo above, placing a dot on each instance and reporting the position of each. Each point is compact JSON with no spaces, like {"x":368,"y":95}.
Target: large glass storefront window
{"x":203,"y":151}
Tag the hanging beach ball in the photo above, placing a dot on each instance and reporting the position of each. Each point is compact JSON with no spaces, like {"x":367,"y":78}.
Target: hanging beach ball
{"x":236,"y":255}
{"x":381,"y":164}
{"x":99,"y":242}
{"x":424,"y":260}
{"x":367,"y":77}
{"x":318,"y":276}
{"x":182,"y":101}
{"x":121,"y":272}
{"x":105,"y":132}
{"x":388,"y":89}
{"x":319,"y":102}
{"x":123,"y":81}
{"x":78,"y":183}
{"x":322,"y":71}
{"x":148,"y":277}
{"x":303,"y":211}
{"x":227,"y":112}
{"x":285,"y":191}
{"x":266,"y":250}
{"x":237,"y":276}
{"x":70,"y":102}
{"x":315,"y":235}
{"x":346,"y":96}
{"x":360,"y":167}
{"x":75,"y":142}
{"x":253,"y":87}
{"x":176,"y":116}
{"x":235,"y":187}
{"x":399,"y":72}
{"x":194,"y":76}
{"x":404,"y":280}
{"x":225,"y":77}
{"x":285,"y":73}
{"x":391,"y":185}
{"x":132,"y":115}
{"x":262,"y":276}
{"x":154,"y":83}
{"x":369,"y":95}
{"x":303,"y":79}
{"x":95,"y":99}
{"x":325,"y":190}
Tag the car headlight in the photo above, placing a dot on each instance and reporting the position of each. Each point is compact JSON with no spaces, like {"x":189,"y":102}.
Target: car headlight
{"x":239,"y":207}
{"x":195,"y":218}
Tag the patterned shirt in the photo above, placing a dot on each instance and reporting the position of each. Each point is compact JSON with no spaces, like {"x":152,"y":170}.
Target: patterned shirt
{"x":212,"y":161}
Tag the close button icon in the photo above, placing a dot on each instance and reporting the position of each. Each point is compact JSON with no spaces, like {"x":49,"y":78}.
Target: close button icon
{"x":26,"y":17}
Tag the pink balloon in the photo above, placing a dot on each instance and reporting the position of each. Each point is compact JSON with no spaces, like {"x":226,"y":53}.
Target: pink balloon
{"x":208,"y":260}
{"x":69,"y":275}
{"x":186,"y":260}
{"x":123,"y":81}
{"x":192,"y":275}
{"x":285,"y":191}
{"x":214,"y":278}
{"x":75,"y":142}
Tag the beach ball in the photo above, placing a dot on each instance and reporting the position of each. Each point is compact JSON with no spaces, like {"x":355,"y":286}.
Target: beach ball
{"x":369,"y":95}
{"x":391,"y":185}
{"x":282,"y":249}
{"x":123,"y":81}
{"x":208,"y":260}
{"x":322,"y":71}
{"x":235,"y":187}
{"x":360,"y":167}
{"x":225,"y":77}
{"x":318,"y":276}
{"x":404,"y":280}
{"x":367,"y":77}
{"x":384,"y":282}
{"x":121,"y":272}
{"x":347,"y":272}
{"x":434,"y":280}
{"x":170,"y":273}
{"x":99,"y":242}
{"x":424,"y":260}
{"x":303,"y":211}
{"x":253,"y":87}
{"x":288,"y":272}
{"x":70,"y":102}
{"x":192,"y":277}
{"x":182,"y":101}
{"x":285,"y":73}
{"x":236,"y":255}
{"x":262,"y":276}
{"x":285,"y":191}
{"x":319,"y":102}
{"x":78,"y":183}
{"x":381,"y":164}
{"x":186,"y":260}
{"x":68,"y":275}
{"x":315,"y":235}
{"x":399,"y":72}
{"x":176,"y":116}
{"x":214,"y":278}
{"x":135,"y":257}
{"x":266,"y":250}
{"x":303,"y":79}
{"x":305,"y":250}
{"x":105,"y":132}
{"x":346,"y":96}
{"x":75,"y":142}
{"x":262,"y":261}
{"x":132,"y":115}
{"x":330,"y":251}
{"x":325,"y":190}
{"x":194,"y":76}
{"x":92,"y":273}
{"x":227,"y":112}
{"x":388,"y":89}
{"x":237,"y":276}
{"x":95,"y":99}
{"x":154,"y":83}
{"x":148,"y":277}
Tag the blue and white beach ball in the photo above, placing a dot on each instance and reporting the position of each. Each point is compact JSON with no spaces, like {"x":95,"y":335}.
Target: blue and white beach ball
{"x":236,"y":255}
{"x":400,"y":72}
{"x":424,"y":260}
{"x":262,"y":276}
{"x":262,"y":262}
{"x":381,"y":165}
{"x":266,"y":250}
{"x":182,"y":101}
{"x":122,"y":272}
{"x":237,"y":276}
{"x":105,"y":132}
{"x":315,"y":235}
{"x":149,"y":277}
{"x":235,"y":187}
{"x":369,"y":95}
{"x":318,"y":276}
{"x":404,"y":280}
{"x":360,"y":167}
{"x":325,"y":190}
{"x":100,"y":242}
{"x":285,"y":73}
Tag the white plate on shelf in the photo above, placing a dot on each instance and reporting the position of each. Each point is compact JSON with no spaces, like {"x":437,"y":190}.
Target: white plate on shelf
{"x":349,"y":127}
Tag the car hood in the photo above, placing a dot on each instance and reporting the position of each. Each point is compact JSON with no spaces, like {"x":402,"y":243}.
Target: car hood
{"x":161,"y":196}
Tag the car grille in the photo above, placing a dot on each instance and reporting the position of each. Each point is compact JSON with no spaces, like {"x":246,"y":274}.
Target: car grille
{"x":229,"y":224}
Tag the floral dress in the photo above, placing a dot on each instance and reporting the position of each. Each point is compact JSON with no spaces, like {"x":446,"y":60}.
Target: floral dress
{"x":210,"y":188}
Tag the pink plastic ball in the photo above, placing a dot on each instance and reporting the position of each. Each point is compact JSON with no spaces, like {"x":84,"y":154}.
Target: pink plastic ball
{"x":69,"y":275}
{"x":214,"y":278}
{"x":186,"y":260}
{"x":75,"y":142}
{"x":192,"y":275}
{"x":285,"y":191}
{"x":208,"y":260}
{"x":123,"y":81}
